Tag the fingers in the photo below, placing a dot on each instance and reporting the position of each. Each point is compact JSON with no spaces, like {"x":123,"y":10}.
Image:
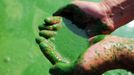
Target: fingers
{"x":52,"y":20}
{"x":54,"y":27}
{"x":39,"y":39}
{"x":47,"y":33}
{"x":48,"y":50}
{"x":51,"y":26}
{"x":51,"y":23}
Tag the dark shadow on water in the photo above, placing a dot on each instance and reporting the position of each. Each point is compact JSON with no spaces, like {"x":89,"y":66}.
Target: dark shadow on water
{"x":74,"y":28}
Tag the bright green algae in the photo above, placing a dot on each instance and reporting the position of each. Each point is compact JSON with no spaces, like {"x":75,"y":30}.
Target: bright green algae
{"x":18,"y":28}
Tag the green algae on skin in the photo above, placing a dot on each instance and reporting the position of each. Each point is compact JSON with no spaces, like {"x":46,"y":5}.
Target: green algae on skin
{"x":113,"y":53}
{"x":47,"y":33}
{"x":63,"y":69}
{"x":46,"y":39}
{"x":49,"y":51}
{"x":52,"y":39}
{"x":54,"y":27}
{"x":96,"y":39}
{"x":53,"y":20}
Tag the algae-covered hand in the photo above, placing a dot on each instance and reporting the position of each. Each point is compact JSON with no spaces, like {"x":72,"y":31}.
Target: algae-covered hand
{"x":52,"y":23}
{"x":110,"y":53}
{"x":47,"y":33}
{"x":106,"y":52}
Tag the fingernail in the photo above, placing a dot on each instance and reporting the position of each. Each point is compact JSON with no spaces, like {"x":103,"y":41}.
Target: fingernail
{"x":53,"y":20}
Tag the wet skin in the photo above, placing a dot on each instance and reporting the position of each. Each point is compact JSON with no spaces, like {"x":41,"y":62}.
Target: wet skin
{"x":106,"y":52}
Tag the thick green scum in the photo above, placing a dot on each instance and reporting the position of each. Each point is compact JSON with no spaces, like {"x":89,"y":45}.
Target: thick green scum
{"x":19,"y":53}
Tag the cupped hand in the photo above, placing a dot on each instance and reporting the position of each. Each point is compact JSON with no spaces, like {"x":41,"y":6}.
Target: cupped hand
{"x":46,"y":38}
{"x":110,"y":53}
{"x":87,"y":16}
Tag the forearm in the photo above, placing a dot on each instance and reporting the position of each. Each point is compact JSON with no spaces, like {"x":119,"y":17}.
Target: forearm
{"x":103,"y":56}
{"x":117,"y":12}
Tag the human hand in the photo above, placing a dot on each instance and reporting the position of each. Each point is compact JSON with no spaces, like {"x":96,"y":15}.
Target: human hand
{"x":47,"y":33}
{"x":80,"y":67}
{"x":98,"y":18}
{"x":85,"y":15}
{"x":110,"y":53}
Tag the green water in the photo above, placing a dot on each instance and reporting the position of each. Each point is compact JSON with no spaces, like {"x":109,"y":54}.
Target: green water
{"x":19,"y":53}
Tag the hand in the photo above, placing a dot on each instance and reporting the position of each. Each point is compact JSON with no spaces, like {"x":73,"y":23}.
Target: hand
{"x":99,"y":18}
{"x":85,"y":15}
{"x":47,"y":32}
{"x":110,"y":53}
